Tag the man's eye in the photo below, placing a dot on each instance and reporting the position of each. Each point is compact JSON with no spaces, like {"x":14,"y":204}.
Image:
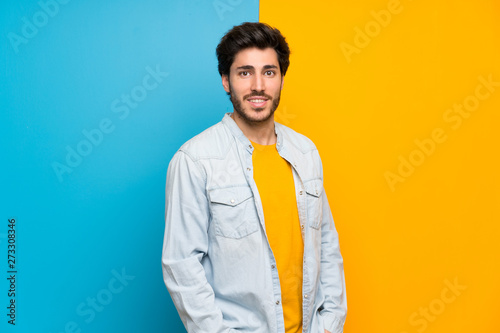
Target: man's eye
{"x":270,"y":73}
{"x":244,"y":73}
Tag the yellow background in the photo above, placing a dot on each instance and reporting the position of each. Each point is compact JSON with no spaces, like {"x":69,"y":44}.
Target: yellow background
{"x":402,"y":242}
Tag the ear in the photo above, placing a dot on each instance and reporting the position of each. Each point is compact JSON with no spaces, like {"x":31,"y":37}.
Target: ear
{"x":282,"y":81}
{"x":225,"y":83}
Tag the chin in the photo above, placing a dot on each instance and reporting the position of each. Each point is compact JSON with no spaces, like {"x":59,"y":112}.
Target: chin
{"x":254,"y":115}
{"x":260,"y":115}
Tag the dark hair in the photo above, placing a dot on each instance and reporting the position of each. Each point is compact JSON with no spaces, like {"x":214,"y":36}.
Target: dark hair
{"x":248,"y":35}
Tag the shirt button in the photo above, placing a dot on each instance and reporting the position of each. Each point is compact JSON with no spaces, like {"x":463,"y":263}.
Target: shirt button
{"x":277,"y":302}
{"x":232,"y":200}
{"x":248,"y":169}
{"x":300,"y":192}
{"x":305,"y":296}
{"x":272,"y":266}
{"x":302,"y":226}
{"x":250,"y":146}
{"x":278,"y":143}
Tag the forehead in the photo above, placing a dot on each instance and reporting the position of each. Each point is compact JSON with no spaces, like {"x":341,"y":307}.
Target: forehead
{"x":255,"y":57}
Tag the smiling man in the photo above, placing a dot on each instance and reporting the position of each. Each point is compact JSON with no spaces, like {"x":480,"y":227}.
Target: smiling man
{"x":250,"y":244}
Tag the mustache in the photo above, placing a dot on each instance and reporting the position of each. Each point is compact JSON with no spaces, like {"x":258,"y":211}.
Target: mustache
{"x":257,"y":94}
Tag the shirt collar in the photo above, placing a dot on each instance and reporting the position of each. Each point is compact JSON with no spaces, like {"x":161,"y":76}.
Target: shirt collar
{"x":238,"y":134}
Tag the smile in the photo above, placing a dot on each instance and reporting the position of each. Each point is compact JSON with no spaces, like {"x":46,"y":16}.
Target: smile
{"x":257,"y":102}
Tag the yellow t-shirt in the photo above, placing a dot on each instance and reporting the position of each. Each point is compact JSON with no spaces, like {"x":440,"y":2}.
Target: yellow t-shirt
{"x":274,"y":179}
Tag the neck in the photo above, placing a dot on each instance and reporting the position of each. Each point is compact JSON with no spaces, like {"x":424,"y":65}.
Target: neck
{"x":259,"y":132}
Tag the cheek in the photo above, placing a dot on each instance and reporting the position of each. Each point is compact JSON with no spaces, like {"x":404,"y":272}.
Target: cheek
{"x":276,"y":84}
{"x":276,"y":88}
{"x":240,"y":88}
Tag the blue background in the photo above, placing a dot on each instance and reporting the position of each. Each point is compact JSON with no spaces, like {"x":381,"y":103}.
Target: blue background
{"x":77,"y":231}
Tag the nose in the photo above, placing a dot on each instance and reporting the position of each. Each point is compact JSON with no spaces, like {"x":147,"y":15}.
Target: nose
{"x":258,"y":83}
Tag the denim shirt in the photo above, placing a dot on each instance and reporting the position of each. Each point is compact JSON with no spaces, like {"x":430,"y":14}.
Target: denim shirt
{"x":217,"y":263}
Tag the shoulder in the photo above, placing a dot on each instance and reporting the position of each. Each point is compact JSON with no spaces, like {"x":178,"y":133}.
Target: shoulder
{"x":211,"y":143}
{"x":300,"y":141}
{"x":205,"y":145}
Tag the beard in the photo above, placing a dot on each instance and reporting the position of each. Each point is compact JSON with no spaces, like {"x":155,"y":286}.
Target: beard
{"x":240,"y":110}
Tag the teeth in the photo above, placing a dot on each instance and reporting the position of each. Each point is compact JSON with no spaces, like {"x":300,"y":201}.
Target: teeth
{"x":257,"y":100}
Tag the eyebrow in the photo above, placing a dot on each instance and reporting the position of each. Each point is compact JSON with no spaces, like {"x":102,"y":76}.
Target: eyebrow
{"x":251,"y":67}
{"x":245,"y":67}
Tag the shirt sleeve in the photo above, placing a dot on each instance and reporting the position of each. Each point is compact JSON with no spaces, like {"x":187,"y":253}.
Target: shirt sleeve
{"x":334,"y":309}
{"x":185,"y":244}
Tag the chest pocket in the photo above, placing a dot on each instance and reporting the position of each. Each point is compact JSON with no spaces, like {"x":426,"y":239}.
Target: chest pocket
{"x":314,"y":189}
{"x":233,"y":211}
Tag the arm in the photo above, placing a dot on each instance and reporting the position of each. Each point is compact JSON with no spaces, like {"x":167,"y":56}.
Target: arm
{"x":185,"y":244}
{"x":332,"y":279}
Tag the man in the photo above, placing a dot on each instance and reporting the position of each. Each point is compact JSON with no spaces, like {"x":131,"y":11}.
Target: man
{"x":250,"y":244}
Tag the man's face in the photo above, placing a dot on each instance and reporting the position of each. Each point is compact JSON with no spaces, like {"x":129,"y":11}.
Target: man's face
{"x":254,"y":84}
